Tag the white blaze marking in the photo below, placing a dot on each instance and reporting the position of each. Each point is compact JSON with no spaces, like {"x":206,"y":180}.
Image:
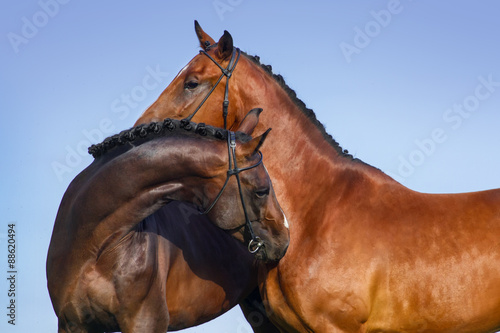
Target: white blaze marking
{"x":286,"y":221}
{"x":182,"y":70}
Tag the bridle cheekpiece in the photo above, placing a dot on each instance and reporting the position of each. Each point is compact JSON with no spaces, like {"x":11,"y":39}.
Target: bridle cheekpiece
{"x":255,"y":242}
{"x":227,"y":72}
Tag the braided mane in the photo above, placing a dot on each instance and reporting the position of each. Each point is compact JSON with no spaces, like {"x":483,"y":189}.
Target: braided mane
{"x":161,"y":128}
{"x":302,"y":106}
{"x":171,"y":125}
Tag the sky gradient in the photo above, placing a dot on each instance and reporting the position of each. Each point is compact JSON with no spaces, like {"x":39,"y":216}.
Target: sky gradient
{"x":410,"y":87}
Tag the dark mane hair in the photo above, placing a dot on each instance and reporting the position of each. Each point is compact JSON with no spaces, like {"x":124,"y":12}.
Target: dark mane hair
{"x":159,"y":129}
{"x":302,"y":106}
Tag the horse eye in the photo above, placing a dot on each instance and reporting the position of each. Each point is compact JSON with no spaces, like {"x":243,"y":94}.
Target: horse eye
{"x":262,"y":193}
{"x":190,"y":85}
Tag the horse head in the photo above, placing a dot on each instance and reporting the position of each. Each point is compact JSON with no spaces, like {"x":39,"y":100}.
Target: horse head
{"x":217,"y":82}
{"x":218,"y":170}
{"x":245,"y":205}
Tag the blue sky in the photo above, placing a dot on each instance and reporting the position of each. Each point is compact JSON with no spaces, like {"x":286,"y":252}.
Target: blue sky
{"x":411,"y":87}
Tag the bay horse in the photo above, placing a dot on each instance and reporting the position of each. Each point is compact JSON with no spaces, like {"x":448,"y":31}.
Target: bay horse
{"x":366,"y":253}
{"x":105,"y":275}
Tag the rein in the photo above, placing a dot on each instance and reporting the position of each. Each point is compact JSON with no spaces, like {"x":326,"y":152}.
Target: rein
{"x":256,"y":242}
{"x":227,"y":72}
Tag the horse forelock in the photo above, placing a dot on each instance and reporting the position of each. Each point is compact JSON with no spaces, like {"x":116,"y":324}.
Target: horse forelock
{"x":163,"y":128}
{"x":309,"y":113}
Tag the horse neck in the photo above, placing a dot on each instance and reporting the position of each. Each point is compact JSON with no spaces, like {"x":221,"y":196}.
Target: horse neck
{"x":307,"y":170}
{"x":135,"y":184}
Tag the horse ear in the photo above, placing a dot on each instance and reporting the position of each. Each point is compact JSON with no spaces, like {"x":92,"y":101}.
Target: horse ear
{"x":250,"y":121}
{"x":253,"y":146}
{"x":224,"y":46}
{"x":205,"y":40}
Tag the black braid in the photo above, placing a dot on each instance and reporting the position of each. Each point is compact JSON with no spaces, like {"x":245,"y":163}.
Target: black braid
{"x":220,"y":135}
{"x":168,"y":124}
{"x":146,"y":131}
{"x":186,"y":124}
{"x":201,"y":129}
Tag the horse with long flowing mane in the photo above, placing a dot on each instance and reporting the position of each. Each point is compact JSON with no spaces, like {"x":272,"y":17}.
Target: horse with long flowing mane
{"x":366,"y":254}
{"x":109,"y":255}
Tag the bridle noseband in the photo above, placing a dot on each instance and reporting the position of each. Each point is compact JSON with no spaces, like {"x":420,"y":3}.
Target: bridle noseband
{"x":227,"y":72}
{"x":256,"y":242}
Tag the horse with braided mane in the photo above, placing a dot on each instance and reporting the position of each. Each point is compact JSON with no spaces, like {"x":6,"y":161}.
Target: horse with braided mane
{"x":366,"y":254}
{"x":111,"y":263}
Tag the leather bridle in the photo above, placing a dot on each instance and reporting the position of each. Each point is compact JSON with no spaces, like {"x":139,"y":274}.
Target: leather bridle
{"x":227,"y":72}
{"x":255,"y":242}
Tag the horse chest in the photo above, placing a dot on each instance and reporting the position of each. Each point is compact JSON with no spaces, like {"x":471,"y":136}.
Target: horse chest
{"x":308,"y":296}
